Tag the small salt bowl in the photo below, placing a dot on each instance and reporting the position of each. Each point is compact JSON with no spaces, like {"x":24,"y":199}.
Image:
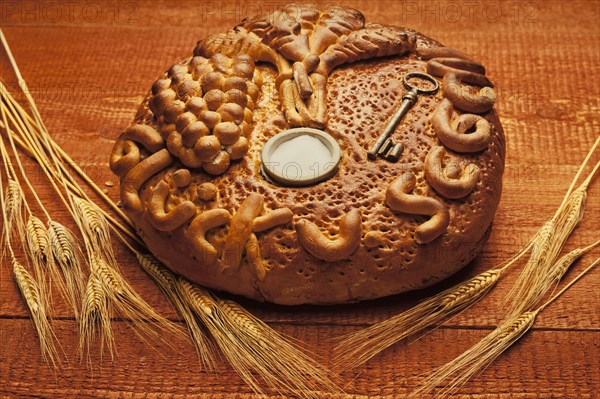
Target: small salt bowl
{"x":300,"y":157}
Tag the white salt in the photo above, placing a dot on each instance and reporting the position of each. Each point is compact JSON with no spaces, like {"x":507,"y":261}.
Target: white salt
{"x":303,"y":155}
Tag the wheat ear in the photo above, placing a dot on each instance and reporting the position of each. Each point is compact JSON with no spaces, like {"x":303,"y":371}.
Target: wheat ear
{"x":359,"y":347}
{"x":40,"y":253}
{"x":252,"y":347}
{"x":129,"y":305}
{"x":67,"y":256}
{"x":13,"y":223}
{"x":30,"y":292}
{"x":547,"y":248}
{"x":15,"y":218}
{"x":277,"y":359}
{"x":167,"y":282}
{"x":95,"y":320}
{"x":555,"y":274}
{"x":455,"y":373}
{"x":94,"y":228}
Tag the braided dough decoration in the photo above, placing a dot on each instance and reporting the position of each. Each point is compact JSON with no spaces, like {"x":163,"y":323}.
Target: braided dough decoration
{"x":305,"y":45}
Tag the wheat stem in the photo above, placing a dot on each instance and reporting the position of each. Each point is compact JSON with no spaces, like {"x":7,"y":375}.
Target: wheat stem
{"x":454,"y":374}
{"x":30,"y":292}
{"x":580,"y":171}
{"x":167,"y":282}
{"x":549,"y":243}
{"x":252,"y":347}
{"x":58,"y":173}
{"x":361,"y":346}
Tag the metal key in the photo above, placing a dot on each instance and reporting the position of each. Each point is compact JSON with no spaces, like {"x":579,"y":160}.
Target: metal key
{"x":409,"y":99}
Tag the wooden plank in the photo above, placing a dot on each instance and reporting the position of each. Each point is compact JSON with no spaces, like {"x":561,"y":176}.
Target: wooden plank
{"x":545,"y":364}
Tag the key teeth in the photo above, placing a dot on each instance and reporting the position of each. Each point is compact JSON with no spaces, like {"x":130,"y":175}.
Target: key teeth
{"x":393,"y":155}
{"x":388,"y":151}
{"x":385,"y":148}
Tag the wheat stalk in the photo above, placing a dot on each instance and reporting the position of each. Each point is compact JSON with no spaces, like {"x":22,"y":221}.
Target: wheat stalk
{"x":359,"y":347}
{"x":280,"y":363}
{"x":457,"y":372}
{"x":547,"y":248}
{"x":94,"y":228}
{"x":555,"y":274}
{"x":129,"y":305}
{"x":251,"y":347}
{"x":167,"y":282}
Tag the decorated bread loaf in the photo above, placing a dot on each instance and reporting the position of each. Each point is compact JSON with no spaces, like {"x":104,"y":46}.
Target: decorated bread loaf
{"x":193,"y":182}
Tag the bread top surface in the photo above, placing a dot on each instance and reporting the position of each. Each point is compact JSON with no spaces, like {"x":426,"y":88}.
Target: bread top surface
{"x":352,"y":237}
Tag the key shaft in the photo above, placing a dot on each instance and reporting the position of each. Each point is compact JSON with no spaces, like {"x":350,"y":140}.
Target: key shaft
{"x":409,"y":99}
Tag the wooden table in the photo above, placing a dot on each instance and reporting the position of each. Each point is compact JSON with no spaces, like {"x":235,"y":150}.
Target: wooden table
{"x":90,"y":64}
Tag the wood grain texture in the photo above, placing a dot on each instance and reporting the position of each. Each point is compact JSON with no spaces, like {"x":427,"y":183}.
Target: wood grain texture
{"x":90,"y":65}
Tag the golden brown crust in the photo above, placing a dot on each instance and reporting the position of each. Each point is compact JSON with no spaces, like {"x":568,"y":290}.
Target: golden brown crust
{"x":376,"y":228}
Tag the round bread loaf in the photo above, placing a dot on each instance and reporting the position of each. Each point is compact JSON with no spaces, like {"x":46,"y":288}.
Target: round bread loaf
{"x":190,"y":163}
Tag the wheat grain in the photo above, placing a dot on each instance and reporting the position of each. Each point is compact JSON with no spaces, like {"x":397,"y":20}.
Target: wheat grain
{"x":359,"y":347}
{"x":32,"y":296}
